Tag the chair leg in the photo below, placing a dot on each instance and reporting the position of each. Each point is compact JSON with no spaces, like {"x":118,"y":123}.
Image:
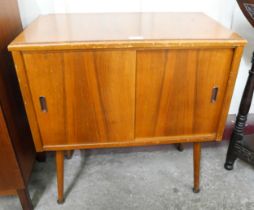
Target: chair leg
{"x":25,"y":199}
{"x":196,"y":164}
{"x":238,"y":132}
{"x":231,"y":157}
{"x":60,"y":176}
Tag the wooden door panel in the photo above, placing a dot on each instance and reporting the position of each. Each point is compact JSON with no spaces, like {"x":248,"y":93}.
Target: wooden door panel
{"x":104,"y":86}
{"x":45,"y":73}
{"x":213,"y":70}
{"x":90,"y":95}
{"x":162,"y":79}
{"x":174,"y":91}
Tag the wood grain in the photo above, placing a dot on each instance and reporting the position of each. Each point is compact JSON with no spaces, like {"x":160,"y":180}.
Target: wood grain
{"x":17,"y":152}
{"x":26,"y":94}
{"x":124,"y":30}
{"x":213,"y":70}
{"x":174,"y":91}
{"x":138,"y":142}
{"x":10,"y":176}
{"x":230,"y":87}
{"x":163,"y":97}
{"x":158,"y":110}
{"x":98,"y":98}
{"x":86,"y":93}
{"x":196,"y":166}
{"x":60,"y":176}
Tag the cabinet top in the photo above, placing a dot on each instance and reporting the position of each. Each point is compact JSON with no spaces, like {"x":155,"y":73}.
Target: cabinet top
{"x":124,"y":30}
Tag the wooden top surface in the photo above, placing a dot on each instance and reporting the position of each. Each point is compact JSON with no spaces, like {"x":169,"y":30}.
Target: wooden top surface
{"x":123,"y":30}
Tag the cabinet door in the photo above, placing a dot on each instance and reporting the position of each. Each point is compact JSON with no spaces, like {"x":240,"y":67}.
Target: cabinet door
{"x":86,"y":97}
{"x":175,"y":88}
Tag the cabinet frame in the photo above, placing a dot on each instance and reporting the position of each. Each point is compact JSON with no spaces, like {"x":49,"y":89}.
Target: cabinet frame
{"x":26,"y":92}
{"x":133,"y":31}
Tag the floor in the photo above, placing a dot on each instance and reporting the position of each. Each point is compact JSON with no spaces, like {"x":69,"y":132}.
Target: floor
{"x":144,"y":178}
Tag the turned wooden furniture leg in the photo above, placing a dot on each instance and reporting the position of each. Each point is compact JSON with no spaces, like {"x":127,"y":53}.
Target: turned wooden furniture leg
{"x":196,"y":164}
{"x":60,"y":175}
{"x":25,"y":199}
{"x":69,"y":153}
{"x":179,"y":147}
{"x":238,"y":132}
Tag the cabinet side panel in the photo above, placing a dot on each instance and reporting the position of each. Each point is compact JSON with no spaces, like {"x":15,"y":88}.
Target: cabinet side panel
{"x":27,"y":99}
{"x":236,"y":58}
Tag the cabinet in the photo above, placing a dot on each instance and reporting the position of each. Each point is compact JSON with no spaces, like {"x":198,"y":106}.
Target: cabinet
{"x":17,"y":153}
{"x":15,"y":172}
{"x":133,"y":79}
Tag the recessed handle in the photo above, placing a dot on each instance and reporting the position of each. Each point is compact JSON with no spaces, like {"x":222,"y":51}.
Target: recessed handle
{"x":43,"y":104}
{"x":214,"y":94}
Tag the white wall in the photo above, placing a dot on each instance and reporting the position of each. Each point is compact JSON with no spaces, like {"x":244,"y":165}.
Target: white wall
{"x":215,"y":8}
{"x":241,"y":25}
{"x":224,"y":11}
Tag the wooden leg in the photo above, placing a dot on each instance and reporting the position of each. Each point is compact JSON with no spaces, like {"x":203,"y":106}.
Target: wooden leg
{"x":69,"y":153}
{"x":25,"y":199}
{"x":238,"y":132}
{"x":179,"y":147}
{"x":196,"y":161}
{"x":231,"y":157}
{"x":60,"y":176}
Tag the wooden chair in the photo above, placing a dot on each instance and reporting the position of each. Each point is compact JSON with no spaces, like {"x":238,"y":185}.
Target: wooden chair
{"x":242,"y":146}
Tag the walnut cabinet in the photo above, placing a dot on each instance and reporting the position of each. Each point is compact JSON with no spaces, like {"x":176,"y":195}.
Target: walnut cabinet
{"x":108,"y":97}
{"x":115,"y":80}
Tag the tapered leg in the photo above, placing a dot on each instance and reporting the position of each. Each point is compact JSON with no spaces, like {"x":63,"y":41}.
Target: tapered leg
{"x":196,"y":164}
{"x":179,"y":147}
{"x":60,"y":175}
{"x":68,"y":154}
{"x":25,"y":200}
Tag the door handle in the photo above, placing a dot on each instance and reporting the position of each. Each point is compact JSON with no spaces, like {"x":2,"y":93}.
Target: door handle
{"x":214,"y":94}
{"x":43,"y":104}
